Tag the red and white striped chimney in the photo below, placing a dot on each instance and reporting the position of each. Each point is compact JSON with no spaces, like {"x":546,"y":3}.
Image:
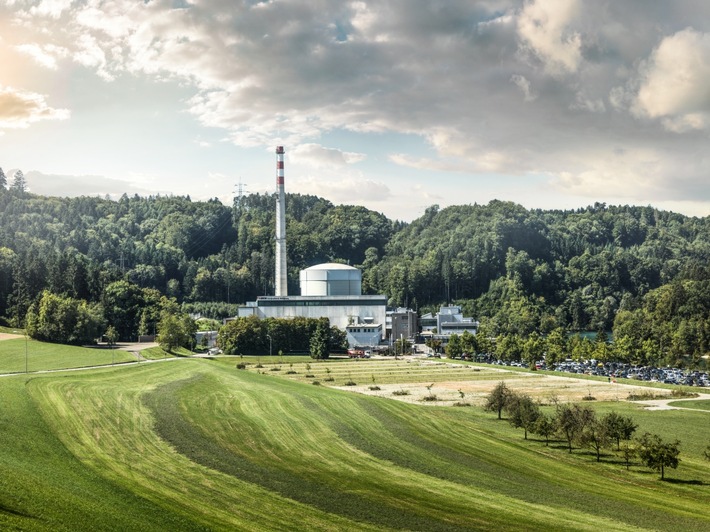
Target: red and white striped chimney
{"x":281,"y":273}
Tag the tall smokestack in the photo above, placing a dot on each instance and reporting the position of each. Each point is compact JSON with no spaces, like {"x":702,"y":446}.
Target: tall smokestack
{"x":281,"y":274}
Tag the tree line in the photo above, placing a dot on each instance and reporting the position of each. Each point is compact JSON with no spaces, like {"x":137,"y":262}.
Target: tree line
{"x":579,"y":425}
{"x":279,"y":336}
{"x":638,"y":272}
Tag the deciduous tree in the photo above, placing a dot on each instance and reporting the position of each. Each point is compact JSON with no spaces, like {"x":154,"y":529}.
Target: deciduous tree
{"x":619,"y":427}
{"x":522,"y":412}
{"x":657,"y":454}
{"x":571,"y":421}
{"x":544,"y":426}
{"x":596,"y":436}
{"x":498,"y":399}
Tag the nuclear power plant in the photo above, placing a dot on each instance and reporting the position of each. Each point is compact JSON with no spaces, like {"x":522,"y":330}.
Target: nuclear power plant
{"x":332,"y":291}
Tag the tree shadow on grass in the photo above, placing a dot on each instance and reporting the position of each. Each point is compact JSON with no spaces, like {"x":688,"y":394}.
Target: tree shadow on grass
{"x":685,"y":482}
{"x":11,"y":511}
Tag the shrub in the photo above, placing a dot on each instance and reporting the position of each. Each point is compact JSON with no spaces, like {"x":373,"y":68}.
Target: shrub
{"x":350,"y":382}
{"x":374,"y":388}
{"x":316,"y":383}
{"x":430,"y":397}
{"x":241,"y":365}
{"x":400,"y":392}
{"x":680,"y":392}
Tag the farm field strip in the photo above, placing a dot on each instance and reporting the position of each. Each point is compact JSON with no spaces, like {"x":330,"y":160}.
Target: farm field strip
{"x":448,"y":380}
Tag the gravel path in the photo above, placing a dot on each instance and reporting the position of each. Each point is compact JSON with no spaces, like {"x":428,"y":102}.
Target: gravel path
{"x":663,"y":404}
{"x":8,"y":336}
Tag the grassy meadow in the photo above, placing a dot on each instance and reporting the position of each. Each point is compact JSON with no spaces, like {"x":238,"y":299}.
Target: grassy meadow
{"x":20,"y":354}
{"x":195,"y":444}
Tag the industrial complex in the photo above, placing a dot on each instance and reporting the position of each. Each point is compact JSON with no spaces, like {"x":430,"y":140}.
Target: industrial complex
{"x":332,"y":291}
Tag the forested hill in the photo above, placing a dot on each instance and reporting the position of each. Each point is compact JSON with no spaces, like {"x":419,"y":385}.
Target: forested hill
{"x":519,"y":270}
{"x":193,"y":251}
{"x":532,"y":269}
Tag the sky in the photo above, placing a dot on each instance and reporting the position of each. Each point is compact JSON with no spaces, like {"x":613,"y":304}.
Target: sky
{"x":395,"y":105}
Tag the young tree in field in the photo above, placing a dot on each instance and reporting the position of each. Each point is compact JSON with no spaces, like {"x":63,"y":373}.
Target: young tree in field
{"x":619,"y":427}
{"x":571,"y":421}
{"x":628,"y":452}
{"x":522,"y":412}
{"x":320,"y":340}
{"x":544,"y":426}
{"x":657,"y":454}
{"x":595,"y":436}
{"x":111,"y":335}
{"x":498,"y":399}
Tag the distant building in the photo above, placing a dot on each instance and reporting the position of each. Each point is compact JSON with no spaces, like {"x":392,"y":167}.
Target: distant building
{"x":365,"y":334}
{"x":427,"y":323}
{"x":206,"y":338}
{"x":401,"y":323}
{"x":449,"y":320}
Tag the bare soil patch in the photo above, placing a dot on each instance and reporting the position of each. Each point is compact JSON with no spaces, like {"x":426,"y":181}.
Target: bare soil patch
{"x":544,"y":388}
{"x":9,"y":336}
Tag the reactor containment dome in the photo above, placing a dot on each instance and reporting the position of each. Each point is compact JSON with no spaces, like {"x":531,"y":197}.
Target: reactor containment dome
{"x":331,"y":279}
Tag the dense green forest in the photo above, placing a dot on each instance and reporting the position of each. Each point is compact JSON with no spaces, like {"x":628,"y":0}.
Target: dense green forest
{"x":636,"y":270}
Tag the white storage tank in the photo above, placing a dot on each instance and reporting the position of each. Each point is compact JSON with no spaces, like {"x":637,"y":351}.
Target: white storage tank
{"x":331,"y":279}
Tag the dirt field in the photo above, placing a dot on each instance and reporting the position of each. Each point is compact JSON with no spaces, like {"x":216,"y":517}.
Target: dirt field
{"x":8,"y":336}
{"x":544,"y":388}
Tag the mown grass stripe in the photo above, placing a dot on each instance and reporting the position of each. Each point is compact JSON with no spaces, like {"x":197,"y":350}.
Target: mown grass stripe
{"x":191,"y":442}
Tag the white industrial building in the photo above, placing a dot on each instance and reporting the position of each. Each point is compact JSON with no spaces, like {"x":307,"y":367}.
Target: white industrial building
{"x":330,"y":290}
{"x":449,"y":320}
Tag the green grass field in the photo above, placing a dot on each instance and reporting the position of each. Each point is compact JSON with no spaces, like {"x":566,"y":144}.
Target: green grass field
{"x":696,"y":405}
{"x":195,"y":444}
{"x":17,"y":355}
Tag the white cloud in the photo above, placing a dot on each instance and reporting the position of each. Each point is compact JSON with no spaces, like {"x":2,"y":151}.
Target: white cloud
{"x":675,"y":82}
{"x":584,"y":103}
{"x":45,"y":56}
{"x":50,"y":8}
{"x":343,"y":190}
{"x":543,"y":27}
{"x":82,"y":185}
{"x":517,"y":87}
{"x":524,"y":85}
{"x":319,"y":156}
{"x":19,"y":109}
